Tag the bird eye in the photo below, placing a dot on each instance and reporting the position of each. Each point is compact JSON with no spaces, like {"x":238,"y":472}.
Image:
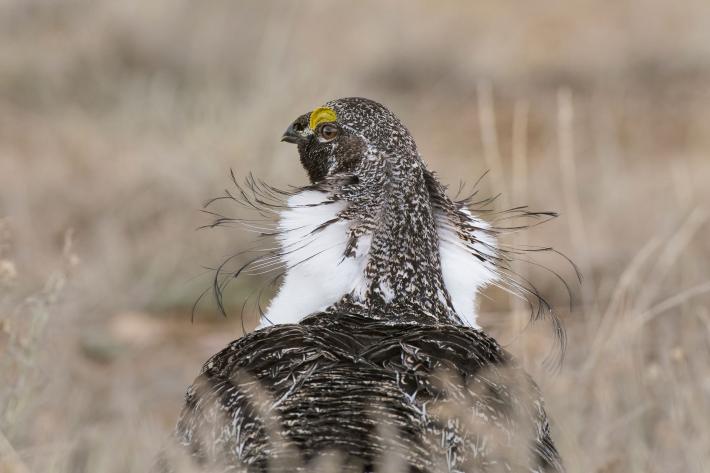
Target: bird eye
{"x":328,"y":131}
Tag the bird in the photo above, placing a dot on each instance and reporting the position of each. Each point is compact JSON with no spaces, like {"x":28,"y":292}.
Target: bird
{"x":370,"y":357}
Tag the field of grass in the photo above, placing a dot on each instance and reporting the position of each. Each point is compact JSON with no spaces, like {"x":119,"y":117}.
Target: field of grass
{"x":119,"y":119}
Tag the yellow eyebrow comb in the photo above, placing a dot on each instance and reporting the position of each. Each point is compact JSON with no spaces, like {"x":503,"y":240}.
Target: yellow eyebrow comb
{"x":322,"y":115}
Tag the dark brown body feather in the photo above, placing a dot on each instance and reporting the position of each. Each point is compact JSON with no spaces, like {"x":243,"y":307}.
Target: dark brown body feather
{"x":438,"y":397}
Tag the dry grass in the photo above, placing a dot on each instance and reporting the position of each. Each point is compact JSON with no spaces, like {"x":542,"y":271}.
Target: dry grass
{"x":117,"y":119}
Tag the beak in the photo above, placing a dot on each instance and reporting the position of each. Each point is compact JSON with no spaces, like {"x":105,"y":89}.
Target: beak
{"x":291,"y":135}
{"x":298,"y":131}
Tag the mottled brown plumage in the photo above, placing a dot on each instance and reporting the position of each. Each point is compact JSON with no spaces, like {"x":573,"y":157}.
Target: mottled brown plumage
{"x":448,"y":397}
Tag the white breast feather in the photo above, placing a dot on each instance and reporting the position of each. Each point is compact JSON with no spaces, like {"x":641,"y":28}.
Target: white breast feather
{"x":464,"y":274}
{"x":317,"y":274}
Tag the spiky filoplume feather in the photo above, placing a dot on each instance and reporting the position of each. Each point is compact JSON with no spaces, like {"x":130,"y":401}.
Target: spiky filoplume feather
{"x":374,"y":328}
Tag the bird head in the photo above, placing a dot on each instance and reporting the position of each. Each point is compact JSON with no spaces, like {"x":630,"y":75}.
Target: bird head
{"x":340,"y":136}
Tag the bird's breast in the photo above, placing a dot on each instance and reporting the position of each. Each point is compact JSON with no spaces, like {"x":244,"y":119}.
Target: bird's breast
{"x":314,"y":241}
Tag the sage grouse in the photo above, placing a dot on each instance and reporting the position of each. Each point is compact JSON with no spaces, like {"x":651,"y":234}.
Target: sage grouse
{"x":370,"y":357}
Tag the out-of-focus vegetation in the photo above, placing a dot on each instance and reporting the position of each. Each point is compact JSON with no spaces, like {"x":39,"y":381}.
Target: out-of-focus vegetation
{"x":118,"y":119}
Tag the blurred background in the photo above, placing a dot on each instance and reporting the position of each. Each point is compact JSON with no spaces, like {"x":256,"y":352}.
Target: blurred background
{"x":118,"y":120}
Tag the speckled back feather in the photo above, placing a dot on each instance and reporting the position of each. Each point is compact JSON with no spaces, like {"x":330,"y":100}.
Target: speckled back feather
{"x":452,"y":398}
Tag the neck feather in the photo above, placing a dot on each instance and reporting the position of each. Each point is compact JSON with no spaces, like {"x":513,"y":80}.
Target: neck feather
{"x":388,"y":245}
{"x":403,"y":272}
